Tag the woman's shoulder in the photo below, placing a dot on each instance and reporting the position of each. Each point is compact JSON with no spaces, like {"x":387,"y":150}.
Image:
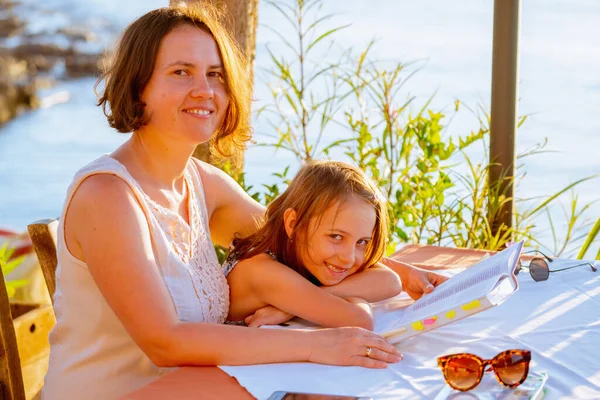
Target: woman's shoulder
{"x":208,"y":172}
{"x":214,"y":178}
{"x":103,"y":185}
{"x":104,"y":163}
{"x":102,"y":189}
{"x":96,"y":175}
{"x":219,"y":189}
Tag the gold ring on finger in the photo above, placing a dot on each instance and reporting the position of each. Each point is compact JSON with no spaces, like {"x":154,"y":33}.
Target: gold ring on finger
{"x":368,"y":352}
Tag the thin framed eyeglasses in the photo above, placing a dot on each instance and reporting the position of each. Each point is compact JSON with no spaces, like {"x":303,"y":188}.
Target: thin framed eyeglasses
{"x":540,"y":270}
{"x":464,"y":371}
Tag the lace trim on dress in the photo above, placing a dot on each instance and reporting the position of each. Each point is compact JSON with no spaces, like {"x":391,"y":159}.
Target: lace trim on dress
{"x":192,"y":246}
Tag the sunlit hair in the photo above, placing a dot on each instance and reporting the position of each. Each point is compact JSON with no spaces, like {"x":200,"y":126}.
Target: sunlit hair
{"x":132,"y":65}
{"x":317,"y":186}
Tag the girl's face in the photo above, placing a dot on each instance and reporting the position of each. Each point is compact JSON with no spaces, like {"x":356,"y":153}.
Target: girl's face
{"x":335,"y":247}
{"x":186,"y":97}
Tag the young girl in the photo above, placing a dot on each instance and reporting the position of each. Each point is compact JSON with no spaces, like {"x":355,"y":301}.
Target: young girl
{"x":316,"y":255}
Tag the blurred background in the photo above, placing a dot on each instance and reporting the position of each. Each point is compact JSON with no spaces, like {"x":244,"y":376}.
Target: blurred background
{"x":446,"y":47}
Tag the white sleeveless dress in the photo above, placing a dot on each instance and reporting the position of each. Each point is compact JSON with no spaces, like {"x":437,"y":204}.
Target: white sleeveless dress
{"x":91,"y":355}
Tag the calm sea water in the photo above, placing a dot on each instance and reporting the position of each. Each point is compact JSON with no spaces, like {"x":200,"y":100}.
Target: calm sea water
{"x":448,"y":42}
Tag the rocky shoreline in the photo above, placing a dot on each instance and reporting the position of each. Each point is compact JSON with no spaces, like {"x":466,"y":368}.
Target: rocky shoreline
{"x":30,"y":61}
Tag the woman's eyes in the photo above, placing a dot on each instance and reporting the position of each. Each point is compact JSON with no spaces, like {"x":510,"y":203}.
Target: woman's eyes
{"x":212,"y":74}
{"x":362,"y":242}
{"x":336,"y":237}
{"x":215,"y":74}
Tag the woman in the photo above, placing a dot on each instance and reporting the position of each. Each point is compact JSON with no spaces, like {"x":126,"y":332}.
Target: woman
{"x":139,"y":289}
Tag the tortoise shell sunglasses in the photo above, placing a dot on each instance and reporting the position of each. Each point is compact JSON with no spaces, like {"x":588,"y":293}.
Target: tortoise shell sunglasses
{"x":464,"y":371}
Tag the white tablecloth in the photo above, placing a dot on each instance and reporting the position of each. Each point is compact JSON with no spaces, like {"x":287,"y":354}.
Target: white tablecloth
{"x":558,"y":320}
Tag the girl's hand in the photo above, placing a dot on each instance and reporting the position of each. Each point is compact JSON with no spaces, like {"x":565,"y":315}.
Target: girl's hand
{"x":267,"y":315}
{"x":418,"y":282}
{"x":350,"y":346}
{"x":415,"y":281}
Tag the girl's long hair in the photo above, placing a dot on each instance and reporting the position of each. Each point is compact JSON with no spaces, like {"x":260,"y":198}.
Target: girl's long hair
{"x":317,"y":186}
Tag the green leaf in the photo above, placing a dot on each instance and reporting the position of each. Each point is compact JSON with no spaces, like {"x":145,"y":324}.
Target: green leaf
{"x":557,"y":194}
{"x":323,"y":36}
{"x":8,"y":267}
{"x":589,"y":240}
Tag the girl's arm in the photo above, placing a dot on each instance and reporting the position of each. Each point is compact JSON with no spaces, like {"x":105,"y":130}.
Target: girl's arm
{"x":105,"y":228}
{"x":261,"y":281}
{"x":373,"y":284}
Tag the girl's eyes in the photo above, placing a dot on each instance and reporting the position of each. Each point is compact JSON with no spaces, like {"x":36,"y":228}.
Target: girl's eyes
{"x":181,"y":72}
{"x":339,"y":238}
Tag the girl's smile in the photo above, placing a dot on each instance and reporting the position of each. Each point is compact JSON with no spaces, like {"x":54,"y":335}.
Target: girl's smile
{"x":335,"y":245}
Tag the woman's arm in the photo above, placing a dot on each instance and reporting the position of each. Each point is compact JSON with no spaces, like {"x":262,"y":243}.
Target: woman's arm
{"x":231,"y":210}
{"x":106,"y":223}
{"x":261,"y":281}
{"x":373,"y":284}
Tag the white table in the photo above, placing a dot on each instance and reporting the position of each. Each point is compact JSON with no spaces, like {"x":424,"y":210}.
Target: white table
{"x":558,"y":320}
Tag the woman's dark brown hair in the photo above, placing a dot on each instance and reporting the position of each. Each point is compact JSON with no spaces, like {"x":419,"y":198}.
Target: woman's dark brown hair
{"x":133,"y":63}
{"x":317,"y":186}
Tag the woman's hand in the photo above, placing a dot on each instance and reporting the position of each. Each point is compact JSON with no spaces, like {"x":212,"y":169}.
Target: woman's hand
{"x":268,"y":315}
{"x":352,"y":346}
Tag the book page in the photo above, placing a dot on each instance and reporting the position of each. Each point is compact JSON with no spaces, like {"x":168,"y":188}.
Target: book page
{"x":471,"y":284}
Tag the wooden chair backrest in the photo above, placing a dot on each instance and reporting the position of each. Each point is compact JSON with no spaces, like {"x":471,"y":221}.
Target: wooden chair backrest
{"x":11,"y":377}
{"x":43,"y":237}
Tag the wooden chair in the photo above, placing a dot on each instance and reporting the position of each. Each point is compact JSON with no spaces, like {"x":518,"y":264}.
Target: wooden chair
{"x":34,"y":326}
{"x":11,"y":377}
{"x":43,"y":236}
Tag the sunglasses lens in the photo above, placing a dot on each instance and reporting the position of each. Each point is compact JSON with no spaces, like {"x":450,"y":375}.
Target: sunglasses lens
{"x":512,"y":368}
{"x":538,"y":268}
{"x":462,"y":372}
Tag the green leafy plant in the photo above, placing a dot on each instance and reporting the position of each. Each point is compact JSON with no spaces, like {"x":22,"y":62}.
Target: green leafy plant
{"x":8,"y":264}
{"x":408,"y":154}
{"x":305,"y":93}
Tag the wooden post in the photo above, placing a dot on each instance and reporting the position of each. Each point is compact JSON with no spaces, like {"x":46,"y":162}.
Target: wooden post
{"x":11,"y":378}
{"x":243,"y":20}
{"x":505,"y":68}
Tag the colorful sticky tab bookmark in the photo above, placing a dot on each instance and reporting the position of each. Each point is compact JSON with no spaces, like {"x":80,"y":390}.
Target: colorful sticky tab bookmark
{"x":471,"y":305}
{"x":418,"y":326}
{"x":451,"y":314}
{"x":430,"y":321}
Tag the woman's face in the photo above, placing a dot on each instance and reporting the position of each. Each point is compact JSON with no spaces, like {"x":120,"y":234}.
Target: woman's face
{"x":335,"y":247}
{"x":186,"y":97}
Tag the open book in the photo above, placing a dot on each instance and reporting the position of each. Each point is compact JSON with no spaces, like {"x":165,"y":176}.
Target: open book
{"x":481,"y":286}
